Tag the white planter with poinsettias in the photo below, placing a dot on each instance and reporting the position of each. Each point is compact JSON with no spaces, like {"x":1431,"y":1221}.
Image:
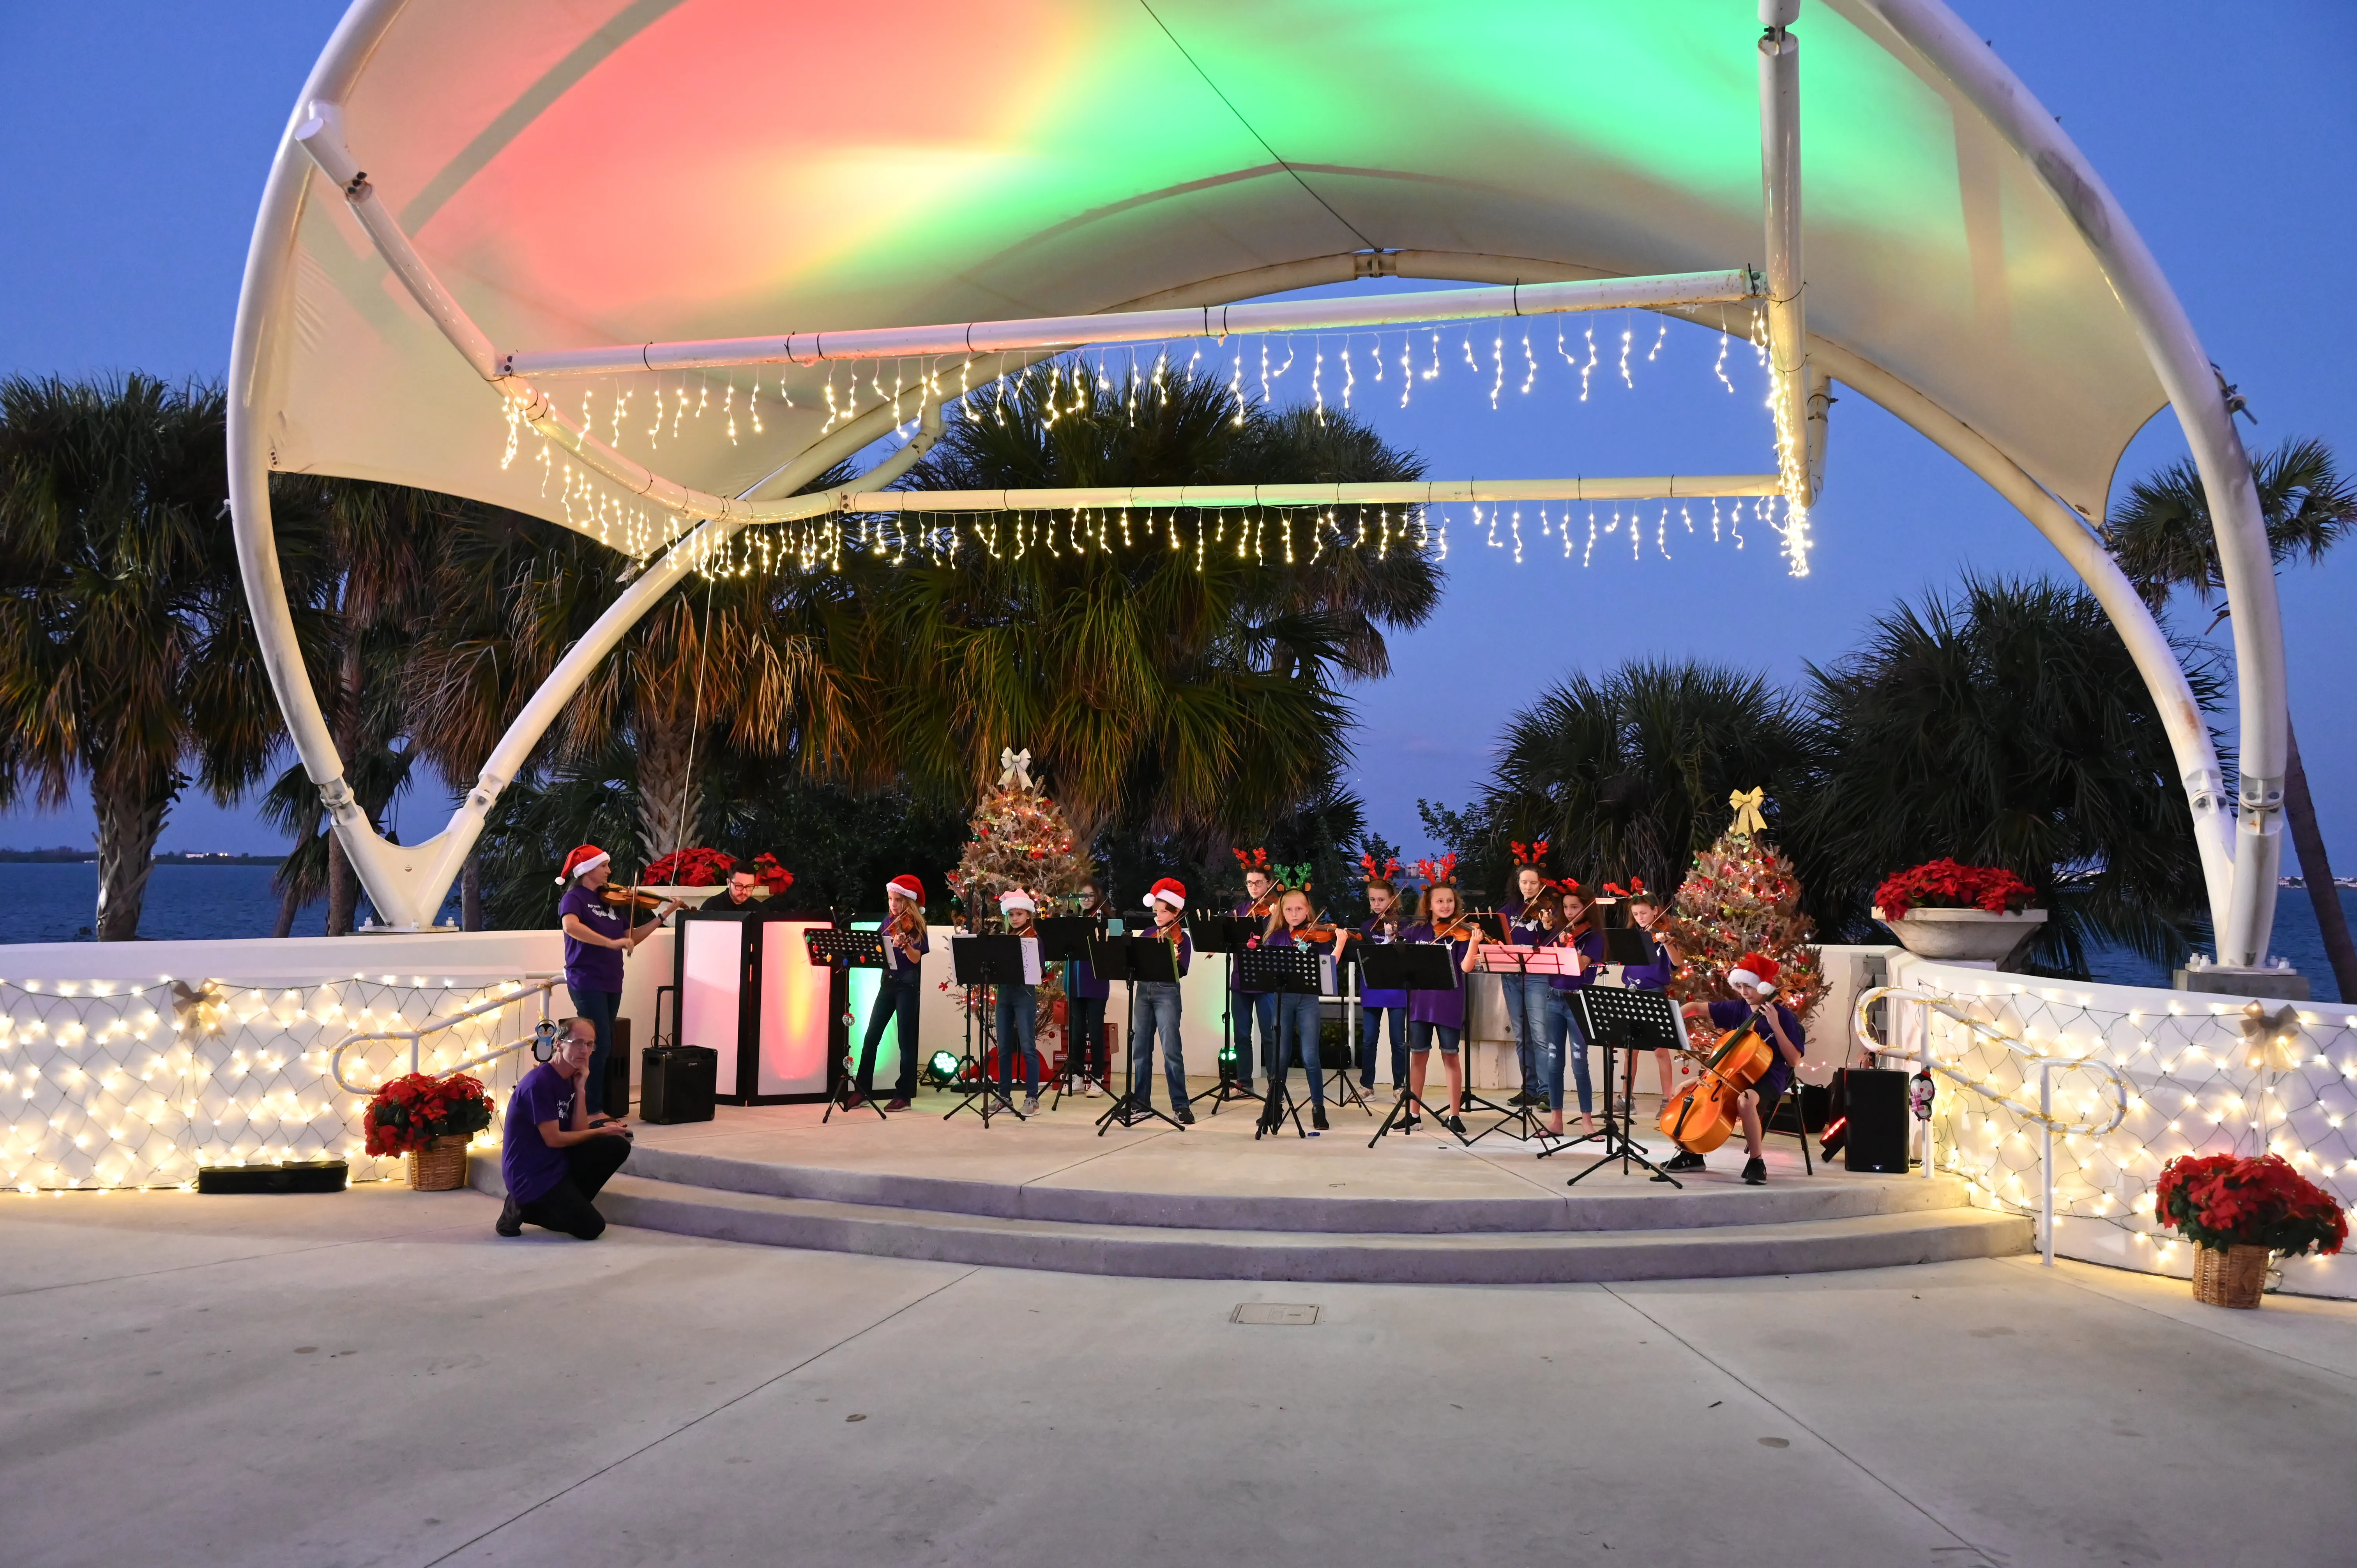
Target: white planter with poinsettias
{"x":1970,"y":914}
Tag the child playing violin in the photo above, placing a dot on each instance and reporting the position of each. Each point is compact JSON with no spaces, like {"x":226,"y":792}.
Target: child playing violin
{"x":1440,"y":918}
{"x":1753,"y":981}
{"x":1297,"y":1022}
{"x":905,"y":946}
{"x":1562,"y":918}
{"x":1385,"y":920}
{"x":1646,"y":909}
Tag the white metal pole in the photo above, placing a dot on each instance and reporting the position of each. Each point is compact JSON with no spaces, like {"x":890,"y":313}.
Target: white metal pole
{"x":1780,"y":184}
{"x":2046,"y":1156}
{"x":1446,"y":492}
{"x":1060,"y":332}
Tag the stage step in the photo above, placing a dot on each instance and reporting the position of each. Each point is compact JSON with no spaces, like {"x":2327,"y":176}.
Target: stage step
{"x":1705,"y":1249}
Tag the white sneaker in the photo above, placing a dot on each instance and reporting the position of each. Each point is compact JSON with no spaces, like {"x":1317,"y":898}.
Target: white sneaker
{"x":1093,"y":1092}
{"x":1031,"y":1106}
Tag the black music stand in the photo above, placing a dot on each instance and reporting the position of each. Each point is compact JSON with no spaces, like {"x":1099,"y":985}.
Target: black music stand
{"x":845,"y":951}
{"x":1131,"y":960}
{"x":1288,"y":972}
{"x":1226,"y":935}
{"x":1625,"y":945}
{"x":1626,"y":1022}
{"x":985,"y":963}
{"x":1507,"y":958}
{"x":1343,"y":1088}
{"x":1062,"y":939}
{"x":1408,"y":966}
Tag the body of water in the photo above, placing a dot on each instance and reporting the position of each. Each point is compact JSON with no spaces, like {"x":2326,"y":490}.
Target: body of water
{"x":54,"y":903}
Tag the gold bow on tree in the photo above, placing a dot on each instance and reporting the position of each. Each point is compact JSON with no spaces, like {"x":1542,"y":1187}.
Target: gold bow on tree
{"x":1747,"y":803}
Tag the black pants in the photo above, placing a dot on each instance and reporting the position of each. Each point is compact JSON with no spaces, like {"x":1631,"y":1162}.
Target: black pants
{"x":1085,"y":1057}
{"x":567,"y":1207}
{"x":600,"y":1007}
{"x":894,"y":1004}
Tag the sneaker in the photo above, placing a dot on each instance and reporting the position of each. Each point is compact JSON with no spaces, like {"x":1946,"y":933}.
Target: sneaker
{"x":1317,"y":1117}
{"x":1455,"y":1124}
{"x":1091,"y":1091}
{"x":899,"y":1102}
{"x":1754,"y":1172}
{"x":1031,"y":1105}
{"x":854,"y":1101}
{"x":1186,"y":1117}
{"x":1683,"y":1160}
{"x":511,"y":1222}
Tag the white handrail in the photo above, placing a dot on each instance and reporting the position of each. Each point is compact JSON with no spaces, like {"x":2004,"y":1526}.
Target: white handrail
{"x":2042,"y":1063}
{"x":525,"y":986}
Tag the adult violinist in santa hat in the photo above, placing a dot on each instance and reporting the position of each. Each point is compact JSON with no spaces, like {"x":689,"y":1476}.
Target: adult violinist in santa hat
{"x":598,"y":934}
{"x":1753,"y":981}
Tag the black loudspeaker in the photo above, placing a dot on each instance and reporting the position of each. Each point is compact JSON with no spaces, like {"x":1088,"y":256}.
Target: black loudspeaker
{"x":296,"y":1175}
{"x":676,"y":1083}
{"x":1875,"y":1099}
{"x":617,"y":1091}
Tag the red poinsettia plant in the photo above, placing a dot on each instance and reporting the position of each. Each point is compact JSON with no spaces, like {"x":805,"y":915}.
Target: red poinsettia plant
{"x":1947,"y":885}
{"x":772,"y":875}
{"x":408,"y":1112}
{"x":2239,"y":1200}
{"x":690,"y":868}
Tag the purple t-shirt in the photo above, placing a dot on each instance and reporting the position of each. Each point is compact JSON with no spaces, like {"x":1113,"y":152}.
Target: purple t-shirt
{"x":1590,"y":948}
{"x":1725,"y":1015}
{"x":586,"y":966}
{"x":1446,"y":1008}
{"x":1372,"y":931}
{"x":530,"y":1166}
{"x":1653,"y":976}
{"x":895,"y":962}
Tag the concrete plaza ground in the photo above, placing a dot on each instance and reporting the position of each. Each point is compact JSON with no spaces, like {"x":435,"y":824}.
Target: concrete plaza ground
{"x":373,"y":1377}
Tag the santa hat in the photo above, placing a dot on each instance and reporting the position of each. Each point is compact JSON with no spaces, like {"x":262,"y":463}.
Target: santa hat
{"x":585,"y":858}
{"x":1016,"y":899}
{"x":904,"y":886}
{"x":1756,"y":968}
{"x":1167,"y":891}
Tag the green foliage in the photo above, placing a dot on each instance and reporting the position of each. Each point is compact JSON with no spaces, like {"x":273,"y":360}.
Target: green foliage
{"x":2162,"y":536}
{"x":2003,"y":726}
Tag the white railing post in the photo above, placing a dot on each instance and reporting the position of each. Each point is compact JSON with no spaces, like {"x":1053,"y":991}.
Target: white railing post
{"x":2046,"y":1159}
{"x":1924,"y":1057}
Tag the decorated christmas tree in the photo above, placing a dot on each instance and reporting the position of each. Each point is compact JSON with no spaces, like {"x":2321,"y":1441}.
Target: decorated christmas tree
{"x":1741,"y":897}
{"x":1018,"y":838}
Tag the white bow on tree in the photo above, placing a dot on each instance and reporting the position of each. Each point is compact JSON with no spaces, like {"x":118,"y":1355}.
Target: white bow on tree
{"x":1014,"y":769}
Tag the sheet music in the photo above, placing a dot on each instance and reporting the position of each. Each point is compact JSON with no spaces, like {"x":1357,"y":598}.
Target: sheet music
{"x":1032,"y":970}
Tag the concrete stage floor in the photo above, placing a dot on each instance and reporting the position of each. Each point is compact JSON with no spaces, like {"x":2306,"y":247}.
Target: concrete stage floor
{"x":373,"y":1377}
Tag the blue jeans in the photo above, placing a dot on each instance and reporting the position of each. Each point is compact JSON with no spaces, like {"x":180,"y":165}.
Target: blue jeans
{"x":1296,"y":1035}
{"x":1248,"y":1005}
{"x":1154,"y":1011}
{"x":1085,"y":1054}
{"x":895,"y":1003}
{"x":598,"y":1007}
{"x":1526,"y":1003}
{"x":1019,"y":1023}
{"x":1562,"y":1037}
{"x":1370,"y":1025}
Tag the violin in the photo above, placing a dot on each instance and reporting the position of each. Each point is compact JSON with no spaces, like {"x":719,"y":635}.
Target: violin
{"x":1460,"y":928}
{"x":904,"y":929}
{"x":630,"y":899}
{"x":1704,"y":1113}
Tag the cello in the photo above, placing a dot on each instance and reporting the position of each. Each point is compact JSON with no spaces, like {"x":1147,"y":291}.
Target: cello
{"x":1704,"y":1113}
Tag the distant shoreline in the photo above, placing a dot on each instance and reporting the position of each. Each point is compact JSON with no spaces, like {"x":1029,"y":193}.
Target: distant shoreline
{"x":64,"y":857}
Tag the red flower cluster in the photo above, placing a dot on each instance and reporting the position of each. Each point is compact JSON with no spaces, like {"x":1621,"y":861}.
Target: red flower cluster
{"x":772,"y":875}
{"x":2237,"y":1200}
{"x":690,"y":868}
{"x":1945,"y":884}
{"x":410,"y":1112}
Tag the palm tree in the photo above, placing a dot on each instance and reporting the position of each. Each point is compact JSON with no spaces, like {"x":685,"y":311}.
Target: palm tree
{"x":2003,"y":726}
{"x":1628,"y":775}
{"x":126,"y":656}
{"x":2162,"y":538}
{"x":1166,"y":672}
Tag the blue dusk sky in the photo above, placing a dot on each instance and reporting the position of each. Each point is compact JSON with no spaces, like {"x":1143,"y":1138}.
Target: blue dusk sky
{"x":135,"y":139}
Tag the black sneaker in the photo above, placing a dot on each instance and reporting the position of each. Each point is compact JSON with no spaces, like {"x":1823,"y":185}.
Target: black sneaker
{"x":1455,"y":1124}
{"x":1683,"y":1160}
{"x":1186,"y":1117}
{"x":510,"y":1222}
{"x":1754,"y":1172}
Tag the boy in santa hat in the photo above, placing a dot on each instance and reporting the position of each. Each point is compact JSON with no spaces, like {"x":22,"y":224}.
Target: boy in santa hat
{"x":905,"y":946}
{"x":1019,"y":1007}
{"x":596,"y":937}
{"x":1753,"y":981}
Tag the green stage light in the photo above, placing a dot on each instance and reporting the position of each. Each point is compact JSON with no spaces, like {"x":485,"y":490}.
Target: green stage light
{"x":941,"y":1069}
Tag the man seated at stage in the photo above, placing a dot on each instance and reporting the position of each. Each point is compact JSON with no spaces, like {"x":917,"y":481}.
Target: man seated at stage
{"x":1753,"y":981}
{"x":741,"y":885}
{"x":554,"y":1162}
